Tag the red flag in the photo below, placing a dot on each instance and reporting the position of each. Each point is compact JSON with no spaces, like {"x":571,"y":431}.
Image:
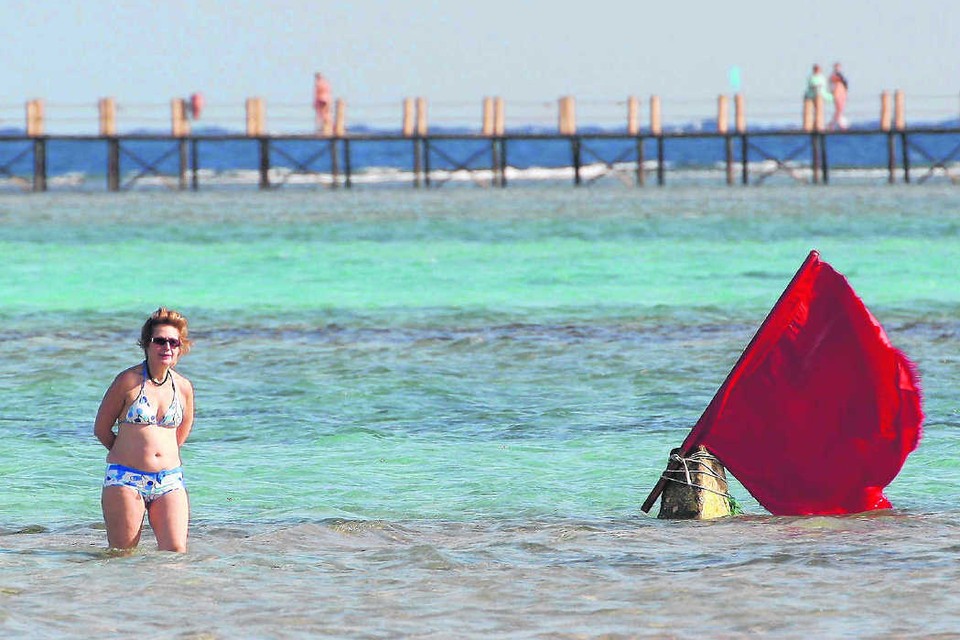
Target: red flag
{"x":821,"y":411}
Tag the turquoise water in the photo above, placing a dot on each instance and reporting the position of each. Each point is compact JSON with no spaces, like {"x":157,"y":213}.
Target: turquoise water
{"x":436,"y":413}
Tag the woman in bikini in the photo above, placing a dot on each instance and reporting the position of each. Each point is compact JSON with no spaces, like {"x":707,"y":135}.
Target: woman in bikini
{"x":152,"y":406}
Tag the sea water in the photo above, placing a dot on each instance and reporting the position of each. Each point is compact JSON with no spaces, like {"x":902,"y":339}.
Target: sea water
{"x":436,"y":413}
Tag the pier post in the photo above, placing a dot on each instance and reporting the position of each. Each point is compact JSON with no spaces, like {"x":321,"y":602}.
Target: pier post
{"x":194,"y":165}
{"x":656,"y":130}
{"x":577,"y":160}
{"x":633,"y":129}
{"x":489,"y":128}
{"x":328,"y":126}
{"x":421,"y":149}
{"x":347,"y":164}
{"x":334,"y":163}
{"x":900,"y":124}
{"x":503,"y":162}
{"x":486,"y":118}
{"x":497,"y":177}
{"x":424,"y":140}
{"x":35,"y":118}
{"x":740,"y":113}
{"x":180,"y":128}
{"x":421,"y":116}
{"x":264,"y":144}
{"x":499,"y":130}
{"x":633,"y":109}
{"x":339,"y":131}
{"x":425,"y":144}
{"x":406,"y":126}
{"x":182,"y":144}
{"x":107,"y":109}
{"x":807,"y":121}
{"x":179,"y":125}
{"x":821,"y":125}
{"x":492,"y":126}
{"x":886,"y":120}
{"x":661,"y":175}
{"x":740,"y":118}
{"x":499,"y":117}
{"x":824,"y":162}
{"x":567,"y":126}
{"x":819,"y":115}
{"x":723,"y":128}
{"x":567,"y":116}
{"x":39,"y":163}
{"x":723,"y":114}
{"x":113,"y":163}
{"x":815,"y":157}
{"x":641,"y":174}
{"x":633,"y":115}
{"x":486,"y":129}
{"x":816,"y":138}
{"x":35,"y":123}
{"x":256,"y":128}
{"x":562,"y":116}
{"x":256,"y":117}
{"x":340,"y":118}
{"x":417,"y":162}
{"x":899,"y":110}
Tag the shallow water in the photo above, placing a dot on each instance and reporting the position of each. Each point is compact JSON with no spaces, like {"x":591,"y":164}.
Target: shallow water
{"x":435,"y":414}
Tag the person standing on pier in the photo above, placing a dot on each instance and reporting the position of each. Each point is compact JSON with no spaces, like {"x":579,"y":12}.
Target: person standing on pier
{"x":321,"y":103}
{"x":817,"y":85}
{"x":838,"y":88}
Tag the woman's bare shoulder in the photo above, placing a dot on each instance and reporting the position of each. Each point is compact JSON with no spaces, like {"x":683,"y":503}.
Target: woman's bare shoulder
{"x":182,"y":381}
{"x":129,"y":376}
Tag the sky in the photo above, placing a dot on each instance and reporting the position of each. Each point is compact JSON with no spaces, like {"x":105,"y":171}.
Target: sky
{"x":373,"y":52}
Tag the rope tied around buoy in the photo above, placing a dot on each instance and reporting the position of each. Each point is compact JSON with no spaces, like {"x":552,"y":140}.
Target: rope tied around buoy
{"x":699,"y":458}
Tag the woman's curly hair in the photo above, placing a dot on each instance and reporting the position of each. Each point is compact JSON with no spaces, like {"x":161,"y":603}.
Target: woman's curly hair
{"x":170,"y":317}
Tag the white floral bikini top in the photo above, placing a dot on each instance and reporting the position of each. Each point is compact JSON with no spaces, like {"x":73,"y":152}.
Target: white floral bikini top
{"x":141,"y":412}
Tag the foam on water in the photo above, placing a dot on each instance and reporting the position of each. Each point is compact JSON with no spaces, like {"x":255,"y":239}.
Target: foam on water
{"x":617,"y":173}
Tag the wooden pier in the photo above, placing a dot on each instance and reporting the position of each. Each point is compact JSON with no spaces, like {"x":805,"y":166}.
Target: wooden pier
{"x":335,"y":147}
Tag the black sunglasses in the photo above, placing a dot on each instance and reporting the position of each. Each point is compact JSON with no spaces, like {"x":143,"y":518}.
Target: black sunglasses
{"x":173,"y":342}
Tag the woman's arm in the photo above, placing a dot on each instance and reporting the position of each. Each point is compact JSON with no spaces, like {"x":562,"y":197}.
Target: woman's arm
{"x":109,"y":412}
{"x":183,"y":431}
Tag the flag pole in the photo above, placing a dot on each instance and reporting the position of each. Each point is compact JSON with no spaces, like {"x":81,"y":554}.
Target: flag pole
{"x":688,"y":446}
